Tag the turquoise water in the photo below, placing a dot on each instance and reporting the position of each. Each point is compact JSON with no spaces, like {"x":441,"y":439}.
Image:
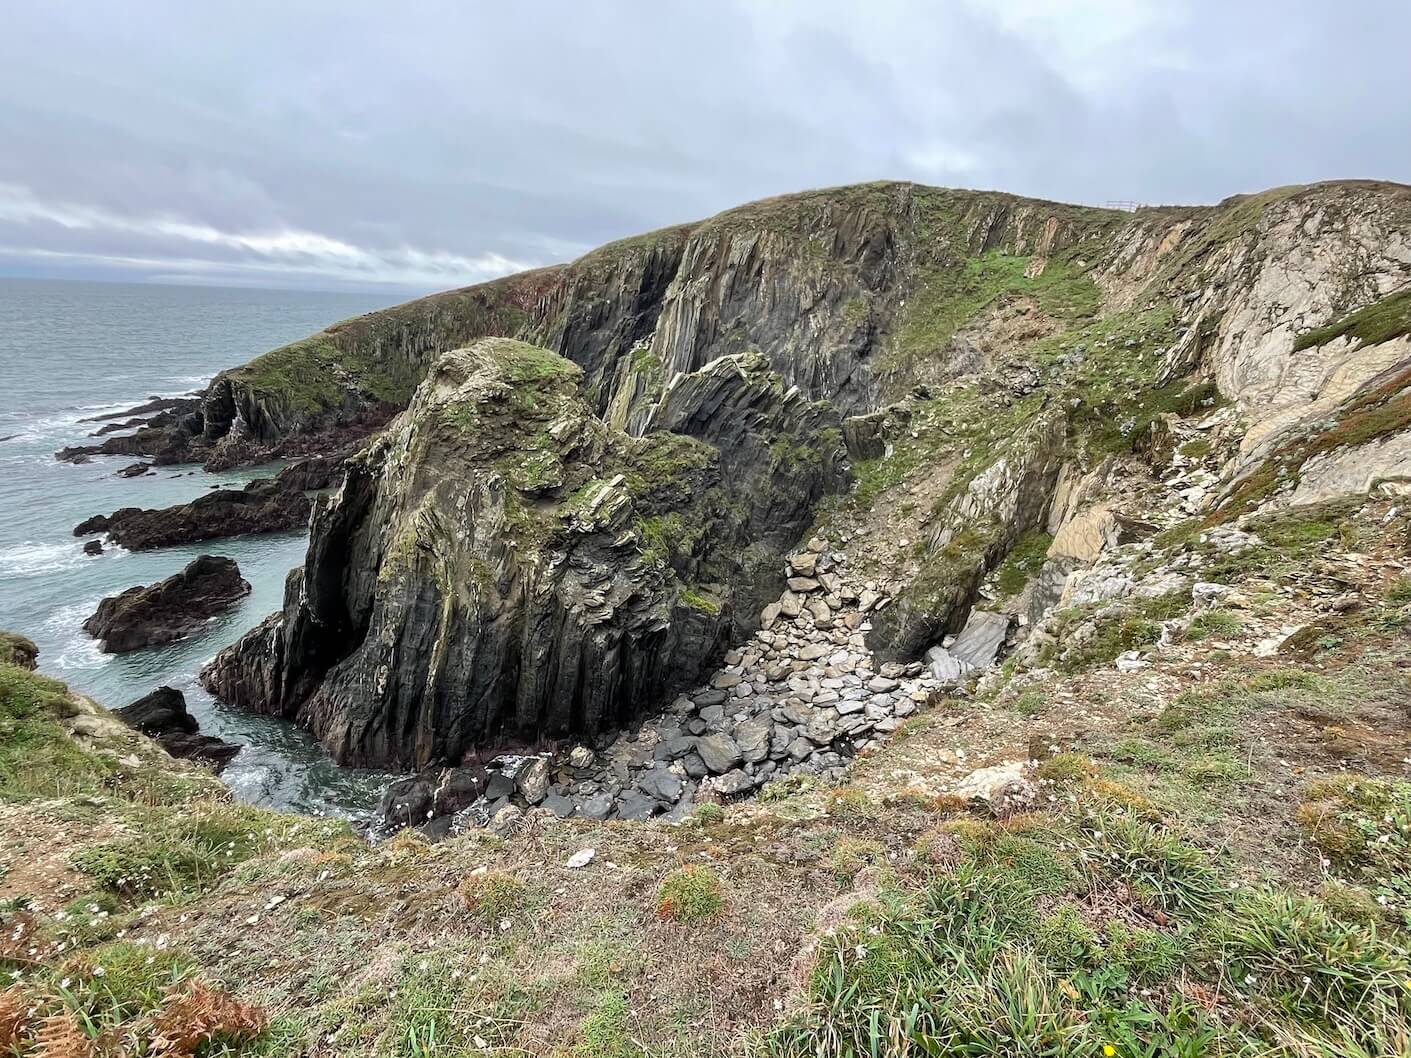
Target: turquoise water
{"x":70,"y":350}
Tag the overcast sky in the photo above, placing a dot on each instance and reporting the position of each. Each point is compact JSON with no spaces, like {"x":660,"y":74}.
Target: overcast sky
{"x":421,"y":145}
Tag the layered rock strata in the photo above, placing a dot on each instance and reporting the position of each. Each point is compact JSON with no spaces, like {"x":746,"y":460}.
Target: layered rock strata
{"x":503,"y":567}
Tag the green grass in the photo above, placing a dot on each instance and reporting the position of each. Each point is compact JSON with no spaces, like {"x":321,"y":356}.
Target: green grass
{"x":121,"y":981}
{"x":989,"y":957}
{"x":946,"y":297}
{"x":604,"y":1032}
{"x":1381,"y":321}
{"x":16,"y":649}
{"x":494,"y":895}
{"x":700,"y":600}
{"x":851,"y":854}
{"x":189,"y":852}
{"x":691,"y":895}
{"x":1219,"y":623}
{"x":37,"y":759}
{"x":1137,"y":624}
{"x":1024,"y":560}
{"x":1398,"y":593}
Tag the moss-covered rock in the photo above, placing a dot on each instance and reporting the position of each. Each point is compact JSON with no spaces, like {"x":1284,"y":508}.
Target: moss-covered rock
{"x":503,"y":566}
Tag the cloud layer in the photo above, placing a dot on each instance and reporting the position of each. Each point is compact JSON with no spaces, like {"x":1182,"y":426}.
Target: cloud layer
{"x":438,"y":143}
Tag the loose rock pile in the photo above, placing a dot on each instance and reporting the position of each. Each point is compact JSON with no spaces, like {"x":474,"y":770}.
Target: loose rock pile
{"x":801,"y":696}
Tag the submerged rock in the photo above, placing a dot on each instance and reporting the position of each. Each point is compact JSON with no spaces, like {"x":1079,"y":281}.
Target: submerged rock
{"x":163,"y":716}
{"x":145,"y":616}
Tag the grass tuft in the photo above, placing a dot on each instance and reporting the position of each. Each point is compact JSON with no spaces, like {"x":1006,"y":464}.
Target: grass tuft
{"x":690,"y":895}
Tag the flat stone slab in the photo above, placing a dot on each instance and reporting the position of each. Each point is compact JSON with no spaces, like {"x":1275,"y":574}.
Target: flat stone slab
{"x":979,"y":641}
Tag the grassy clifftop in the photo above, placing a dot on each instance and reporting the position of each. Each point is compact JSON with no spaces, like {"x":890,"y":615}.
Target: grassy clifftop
{"x":1217,"y":864}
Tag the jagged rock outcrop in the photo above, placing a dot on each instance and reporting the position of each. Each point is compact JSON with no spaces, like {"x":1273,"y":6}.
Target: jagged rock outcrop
{"x":145,"y":616}
{"x":162,"y":428}
{"x":837,"y":288}
{"x":980,"y":521}
{"x":502,"y":566}
{"x":271,"y":505}
{"x":163,"y":716}
{"x":977,"y":354}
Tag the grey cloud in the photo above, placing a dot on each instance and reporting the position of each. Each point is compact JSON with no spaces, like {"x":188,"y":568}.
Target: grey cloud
{"x":427,"y":144}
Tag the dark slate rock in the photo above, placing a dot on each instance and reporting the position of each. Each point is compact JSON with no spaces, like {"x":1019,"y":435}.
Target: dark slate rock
{"x":662,"y":784}
{"x":637,"y":806}
{"x":599,"y":806}
{"x":499,"y":785}
{"x":163,"y":716}
{"x":719,"y":752}
{"x":172,"y":609}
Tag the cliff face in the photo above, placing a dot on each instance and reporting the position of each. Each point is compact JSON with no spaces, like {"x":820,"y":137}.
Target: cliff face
{"x":526,"y":553}
{"x":501,"y":566}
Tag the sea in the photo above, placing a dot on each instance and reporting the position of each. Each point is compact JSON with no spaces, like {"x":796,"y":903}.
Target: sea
{"x":73,"y":350}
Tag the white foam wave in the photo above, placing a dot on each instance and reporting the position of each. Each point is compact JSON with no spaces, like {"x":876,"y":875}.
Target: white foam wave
{"x":69,"y":420}
{"x":79,"y":650}
{"x":31,"y":559}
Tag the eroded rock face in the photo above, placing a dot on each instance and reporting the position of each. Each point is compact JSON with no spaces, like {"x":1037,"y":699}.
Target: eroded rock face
{"x":145,"y":616}
{"x":502,"y":566}
{"x":976,"y":528}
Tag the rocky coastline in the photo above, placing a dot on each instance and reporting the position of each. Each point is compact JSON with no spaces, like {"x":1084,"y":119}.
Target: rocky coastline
{"x":579,"y":484}
{"x":272,"y":505}
{"x":803,"y":695}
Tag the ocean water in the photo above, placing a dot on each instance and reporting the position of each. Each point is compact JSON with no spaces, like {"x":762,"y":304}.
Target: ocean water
{"x":71,"y":350}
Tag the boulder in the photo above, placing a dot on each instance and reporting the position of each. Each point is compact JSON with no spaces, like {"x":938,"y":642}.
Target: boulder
{"x":598,"y":807}
{"x":533,"y":780}
{"x":804,"y":564}
{"x":661,"y":783}
{"x":947,"y":669}
{"x":638,"y":806}
{"x":163,"y":716}
{"x":93,"y":547}
{"x":1000,"y":790}
{"x":149,"y":615}
{"x":719,"y":753}
{"x":979,"y":641}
